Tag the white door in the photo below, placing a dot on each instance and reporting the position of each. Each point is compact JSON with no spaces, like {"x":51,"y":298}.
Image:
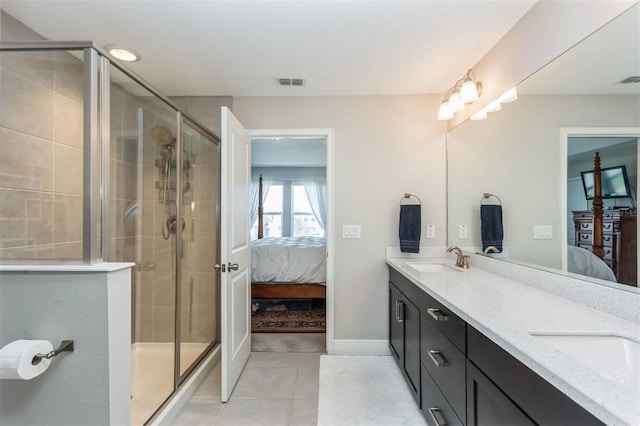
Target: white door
{"x":235,"y":251}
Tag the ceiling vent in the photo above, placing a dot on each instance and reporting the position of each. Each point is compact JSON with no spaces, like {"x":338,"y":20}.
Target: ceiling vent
{"x":632,"y":79}
{"x":290,"y":81}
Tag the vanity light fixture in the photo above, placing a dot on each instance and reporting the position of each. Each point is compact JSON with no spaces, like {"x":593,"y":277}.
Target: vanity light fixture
{"x":465,"y":91}
{"x":123,"y":53}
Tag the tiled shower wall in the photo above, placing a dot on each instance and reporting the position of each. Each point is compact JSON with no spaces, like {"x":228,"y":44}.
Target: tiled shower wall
{"x":41,"y":129}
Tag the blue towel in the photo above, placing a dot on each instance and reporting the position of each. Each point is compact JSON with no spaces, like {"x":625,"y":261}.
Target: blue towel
{"x":491,"y":226}
{"x":410,"y":229}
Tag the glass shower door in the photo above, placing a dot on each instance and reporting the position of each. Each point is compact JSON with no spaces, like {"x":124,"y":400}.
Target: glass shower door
{"x":199,"y":285}
{"x":142,"y":197}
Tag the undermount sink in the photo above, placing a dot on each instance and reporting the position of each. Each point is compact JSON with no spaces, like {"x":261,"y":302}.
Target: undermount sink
{"x":613,"y":357}
{"x":431,"y":267}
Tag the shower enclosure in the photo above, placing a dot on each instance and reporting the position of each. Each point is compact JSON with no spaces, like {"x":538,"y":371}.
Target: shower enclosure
{"x":97,"y":166}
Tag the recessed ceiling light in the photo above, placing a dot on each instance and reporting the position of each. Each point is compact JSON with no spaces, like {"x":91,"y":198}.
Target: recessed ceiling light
{"x":123,"y":53}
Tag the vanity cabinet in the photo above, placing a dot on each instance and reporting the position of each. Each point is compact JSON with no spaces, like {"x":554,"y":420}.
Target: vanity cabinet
{"x":404,"y":329}
{"x":459,"y":376}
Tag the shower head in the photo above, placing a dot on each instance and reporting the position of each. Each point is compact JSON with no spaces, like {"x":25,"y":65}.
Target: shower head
{"x":162,"y":136}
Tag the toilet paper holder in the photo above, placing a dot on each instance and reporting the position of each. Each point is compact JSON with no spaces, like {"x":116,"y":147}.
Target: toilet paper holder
{"x":65,"y":346}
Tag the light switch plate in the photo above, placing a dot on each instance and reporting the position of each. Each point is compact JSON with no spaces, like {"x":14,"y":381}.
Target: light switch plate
{"x":350,"y":231}
{"x":431,"y":231}
{"x":463,"y":231}
{"x":542,"y":232}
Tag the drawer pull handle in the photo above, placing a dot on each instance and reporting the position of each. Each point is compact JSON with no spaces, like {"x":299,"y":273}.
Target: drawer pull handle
{"x":399,"y":311}
{"x":435,"y":413}
{"x":437,"y":314}
{"x":437,"y":358}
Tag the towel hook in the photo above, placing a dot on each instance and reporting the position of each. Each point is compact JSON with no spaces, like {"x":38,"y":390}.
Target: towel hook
{"x":407,"y":196}
{"x":488,"y":195}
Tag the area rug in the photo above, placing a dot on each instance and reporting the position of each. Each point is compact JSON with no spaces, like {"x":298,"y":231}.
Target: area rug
{"x":308,"y":321}
{"x":363,"y":391}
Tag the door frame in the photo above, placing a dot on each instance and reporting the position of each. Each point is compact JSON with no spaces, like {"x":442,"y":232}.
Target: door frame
{"x":329,"y":134}
{"x":585,"y":132}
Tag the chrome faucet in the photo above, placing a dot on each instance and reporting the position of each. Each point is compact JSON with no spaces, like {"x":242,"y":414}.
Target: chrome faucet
{"x":492,"y":249}
{"x":462,"y":261}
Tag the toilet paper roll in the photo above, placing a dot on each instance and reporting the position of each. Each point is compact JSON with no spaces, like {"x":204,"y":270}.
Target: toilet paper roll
{"x":16,"y":359}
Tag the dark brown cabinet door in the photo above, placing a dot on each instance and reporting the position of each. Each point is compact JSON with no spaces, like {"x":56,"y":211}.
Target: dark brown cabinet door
{"x":404,"y":337}
{"x":396,"y":327}
{"x":487,"y":405}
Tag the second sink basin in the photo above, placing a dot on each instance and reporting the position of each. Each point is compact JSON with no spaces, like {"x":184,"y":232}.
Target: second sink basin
{"x":613,"y":357}
{"x":431,"y":267}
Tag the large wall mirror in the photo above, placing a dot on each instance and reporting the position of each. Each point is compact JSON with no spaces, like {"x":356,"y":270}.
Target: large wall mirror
{"x":531,"y":154}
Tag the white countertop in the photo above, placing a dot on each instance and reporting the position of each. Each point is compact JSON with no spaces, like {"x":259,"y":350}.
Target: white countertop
{"x":506,"y":311}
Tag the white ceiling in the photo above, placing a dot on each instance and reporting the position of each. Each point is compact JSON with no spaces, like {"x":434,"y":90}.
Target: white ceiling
{"x":240,"y":47}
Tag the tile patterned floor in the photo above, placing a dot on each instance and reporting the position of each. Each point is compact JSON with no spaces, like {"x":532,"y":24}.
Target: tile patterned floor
{"x":274,"y":389}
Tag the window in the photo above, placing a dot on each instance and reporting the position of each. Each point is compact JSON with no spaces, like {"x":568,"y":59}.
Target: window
{"x":287,"y":212}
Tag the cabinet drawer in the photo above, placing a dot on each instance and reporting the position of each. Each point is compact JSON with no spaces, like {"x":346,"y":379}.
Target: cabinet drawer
{"x":445,"y":363}
{"x":586,"y":226}
{"x":435,"y":407}
{"x":451,"y":325}
{"x":607,"y":240}
{"x":607,"y":227}
{"x":585,"y":237}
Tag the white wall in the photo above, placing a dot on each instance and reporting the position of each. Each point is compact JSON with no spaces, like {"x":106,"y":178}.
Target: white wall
{"x":90,"y":305}
{"x":515,"y":153}
{"x":384,"y":146}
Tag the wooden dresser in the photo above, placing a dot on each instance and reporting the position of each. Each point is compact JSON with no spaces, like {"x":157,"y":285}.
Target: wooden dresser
{"x":620,"y":241}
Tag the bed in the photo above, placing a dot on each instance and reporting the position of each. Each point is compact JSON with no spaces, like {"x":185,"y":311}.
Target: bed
{"x":289,"y":267}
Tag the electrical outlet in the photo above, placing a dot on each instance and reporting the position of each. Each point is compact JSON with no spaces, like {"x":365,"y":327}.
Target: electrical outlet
{"x":463,"y":231}
{"x":542,"y":232}
{"x":431,"y":231}
{"x":350,"y":231}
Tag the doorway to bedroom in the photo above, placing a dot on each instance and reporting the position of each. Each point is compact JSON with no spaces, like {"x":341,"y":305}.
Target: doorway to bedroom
{"x":289,"y":240}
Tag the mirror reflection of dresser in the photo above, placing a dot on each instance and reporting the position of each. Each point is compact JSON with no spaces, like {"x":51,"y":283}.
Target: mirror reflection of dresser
{"x":619,"y":238}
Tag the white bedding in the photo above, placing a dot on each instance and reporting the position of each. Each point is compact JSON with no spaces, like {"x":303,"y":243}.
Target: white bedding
{"x":289,"y":260}
{"x":583,"y":262}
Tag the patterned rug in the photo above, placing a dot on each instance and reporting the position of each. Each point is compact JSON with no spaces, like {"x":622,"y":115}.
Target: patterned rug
{"x":307,"y":321}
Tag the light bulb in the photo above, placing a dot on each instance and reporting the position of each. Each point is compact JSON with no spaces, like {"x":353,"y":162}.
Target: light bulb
{"x":469,"y":91}
{"x":123,"y":53}
{"x":445,"y":113}
{"x":493,"y":106}
{"x":509,"y":96}
{"x":480,"y":115}
{"x":455,"y":102}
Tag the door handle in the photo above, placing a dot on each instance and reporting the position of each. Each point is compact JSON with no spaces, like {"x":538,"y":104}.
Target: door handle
{"x":221,"y":268}
{"x":437,"y":314}
{"x":233,"y":266}
{"x":399,"y":311}
{"x":435,"y":413}
{"x":437,"y":358}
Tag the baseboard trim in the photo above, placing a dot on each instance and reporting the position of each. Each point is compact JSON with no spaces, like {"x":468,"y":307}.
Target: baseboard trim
{"x":361,"y":347}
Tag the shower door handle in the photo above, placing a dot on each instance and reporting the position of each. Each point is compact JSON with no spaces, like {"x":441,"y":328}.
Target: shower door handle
{"x":233,"y":266}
